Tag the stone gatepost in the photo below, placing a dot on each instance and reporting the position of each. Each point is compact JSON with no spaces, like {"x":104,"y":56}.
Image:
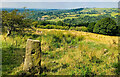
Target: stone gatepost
{"x":32,"y":61}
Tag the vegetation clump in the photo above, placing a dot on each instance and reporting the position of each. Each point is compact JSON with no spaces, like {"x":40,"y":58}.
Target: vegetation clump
{"x":106,"y":26}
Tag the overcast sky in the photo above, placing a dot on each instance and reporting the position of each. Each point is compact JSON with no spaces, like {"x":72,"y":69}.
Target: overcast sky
{"x":59,"y":4}
{"x":59,"y":0}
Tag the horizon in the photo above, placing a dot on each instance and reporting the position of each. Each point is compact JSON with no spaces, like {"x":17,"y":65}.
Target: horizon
{"x":48,"y":8}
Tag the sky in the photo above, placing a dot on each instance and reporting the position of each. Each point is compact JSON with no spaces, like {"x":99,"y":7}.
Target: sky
{"x":60,"y":0}
{"x":59,"y":4}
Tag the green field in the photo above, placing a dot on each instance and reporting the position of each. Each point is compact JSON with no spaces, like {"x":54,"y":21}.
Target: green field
{"x":58,"y":19}
{"x":65,"y":53}
{"x":74,"y":16}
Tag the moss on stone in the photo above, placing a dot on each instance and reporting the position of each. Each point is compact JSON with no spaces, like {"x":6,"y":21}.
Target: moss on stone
{"x":32,"y":62}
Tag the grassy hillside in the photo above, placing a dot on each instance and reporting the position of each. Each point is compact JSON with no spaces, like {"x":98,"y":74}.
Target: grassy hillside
{"x":64,"y":52}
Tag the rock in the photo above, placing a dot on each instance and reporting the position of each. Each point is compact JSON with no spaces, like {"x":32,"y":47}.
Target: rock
{"x":32,"y":62}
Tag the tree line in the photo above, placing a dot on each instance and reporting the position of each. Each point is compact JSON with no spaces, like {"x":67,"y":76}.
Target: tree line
{"x":15,"y":21}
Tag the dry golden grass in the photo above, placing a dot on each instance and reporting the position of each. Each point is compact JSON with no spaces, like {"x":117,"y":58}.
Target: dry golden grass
{"x":45,"y":16}
{"x":98,"y":38}
{"x":77,"y":55}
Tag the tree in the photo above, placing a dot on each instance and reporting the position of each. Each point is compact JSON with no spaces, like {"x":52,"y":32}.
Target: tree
{"x":60,"y":23}
{"x":91,"y":26}
{"x":13,"y":21}
{"x":106,"y":26}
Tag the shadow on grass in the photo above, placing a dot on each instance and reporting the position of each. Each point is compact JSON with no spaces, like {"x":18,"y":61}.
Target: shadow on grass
{"x":29,"y":34}
{"x":117,"y":66}
{"x":11,"y":57}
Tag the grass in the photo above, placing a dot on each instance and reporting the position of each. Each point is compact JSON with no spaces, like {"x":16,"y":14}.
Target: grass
{"x":66,"y":53}
{"x":72,"y":16}
{"x":90,"y":14}
{"x":12,"y":56}
{"x":45,"y":16}
{"x":114,"y":14}
{"x":58,"y":19}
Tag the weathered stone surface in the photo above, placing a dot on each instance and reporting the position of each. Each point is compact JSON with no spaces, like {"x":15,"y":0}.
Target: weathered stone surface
{"x":32,"y":61}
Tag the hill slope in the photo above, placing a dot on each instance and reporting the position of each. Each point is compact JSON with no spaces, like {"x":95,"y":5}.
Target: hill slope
{"x":66,"y":52}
